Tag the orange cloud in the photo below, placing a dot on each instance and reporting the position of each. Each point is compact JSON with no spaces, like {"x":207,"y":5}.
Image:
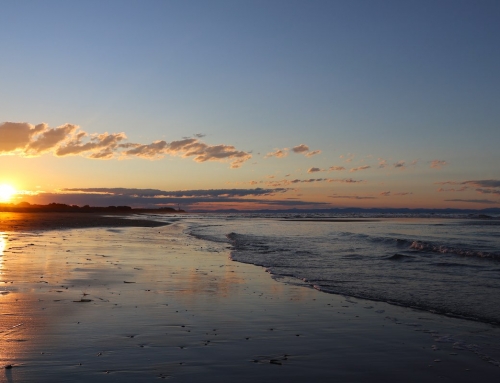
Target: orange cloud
{"x":336,"y":168}
{"x":364,"y":167}
{"x":437,"y":164}
{"x":278,"y":153}
{"x":28,"y":140}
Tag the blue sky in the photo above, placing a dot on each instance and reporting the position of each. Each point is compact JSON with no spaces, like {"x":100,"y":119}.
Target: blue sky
{"x":405,"y":82}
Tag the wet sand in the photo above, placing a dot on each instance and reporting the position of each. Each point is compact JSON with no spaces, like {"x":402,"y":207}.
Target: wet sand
{"x":141,"y":304}
{"x":55,"y":221}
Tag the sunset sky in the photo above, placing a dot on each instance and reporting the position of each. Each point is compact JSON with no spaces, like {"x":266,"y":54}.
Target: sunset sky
{"x":251,"y":104}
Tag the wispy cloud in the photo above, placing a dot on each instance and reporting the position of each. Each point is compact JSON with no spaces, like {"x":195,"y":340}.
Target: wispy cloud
{"x":190,"y":199}
{"x":437,"y":164}
{"x":484,"y":201}
{"x":285,"y":182}
{"x":364,"y":167}
{"x":390,"y":194}
{"x":312,"y":153}
{"x":352,"y":197}
{"x":214,"y":193}
{"x":482,"y":186}
{"x":336,"y":168}
{"x":461,"y":189}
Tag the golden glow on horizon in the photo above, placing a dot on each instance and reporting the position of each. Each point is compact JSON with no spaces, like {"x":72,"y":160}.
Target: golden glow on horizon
{"x":7,"y":192}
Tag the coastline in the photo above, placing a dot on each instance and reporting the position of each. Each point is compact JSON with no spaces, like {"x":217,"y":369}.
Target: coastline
{"x":125,"y":304}
{"x":36,"y":221}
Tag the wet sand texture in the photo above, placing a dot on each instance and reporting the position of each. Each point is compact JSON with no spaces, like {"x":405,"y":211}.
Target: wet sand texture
{"x":140,"y":304}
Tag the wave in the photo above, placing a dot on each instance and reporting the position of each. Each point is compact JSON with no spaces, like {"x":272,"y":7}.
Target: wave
{"x":400,"y":257}
{"x":443,"y":249}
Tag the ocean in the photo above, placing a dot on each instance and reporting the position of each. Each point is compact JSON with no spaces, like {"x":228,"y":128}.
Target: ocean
{"x":447,"y":265}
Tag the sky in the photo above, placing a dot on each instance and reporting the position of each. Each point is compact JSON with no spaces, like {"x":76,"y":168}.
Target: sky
{"x":251,"y":104}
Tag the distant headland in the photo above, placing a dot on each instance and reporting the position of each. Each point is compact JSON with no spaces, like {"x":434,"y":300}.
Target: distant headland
{"x":25,"y":207}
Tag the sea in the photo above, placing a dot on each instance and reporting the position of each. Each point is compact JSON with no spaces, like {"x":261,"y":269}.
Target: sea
{"x":448,"y":264}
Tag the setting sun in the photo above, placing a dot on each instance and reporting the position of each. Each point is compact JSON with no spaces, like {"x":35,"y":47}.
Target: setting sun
{"x":6,"y":192}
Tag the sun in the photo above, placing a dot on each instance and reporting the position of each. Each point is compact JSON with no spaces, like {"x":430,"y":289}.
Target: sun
{"x":6,"y":192}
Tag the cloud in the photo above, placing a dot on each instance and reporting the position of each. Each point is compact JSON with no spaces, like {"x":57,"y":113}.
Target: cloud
{"x":49,"y":139}
{"x":485,"y":201}
{"x":278,"y":153}
{"x":389,"y":194}
{"x":302,"y":148}
{"x":203,"y":152}
{"x":314,"y":170}
{"x":19,"y":138}
{"x":488,"y":191}
{"x":437,"y":164}
{"x":151,"y":151}
{"x":16,"y":136}
{"x":100,"y":146}
{"x":348,"y":158}
{"x":400,"y":164}
{"x":155,"y":193}
{"x":484,"y":183}
{"x":382,"y":163}
{"x":352,"y":197}
{"x":345,"y":180}
{"x":482,"y":186}
{"x":187,"y":199}
{"x":313,"y":153}
{"x":336,"y":168}
{"x":463,"y":188}
{"x":285,"y":182}
{"x":364,"y":167}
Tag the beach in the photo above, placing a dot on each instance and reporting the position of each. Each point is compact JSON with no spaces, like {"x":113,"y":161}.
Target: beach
{"x":108,"y":302}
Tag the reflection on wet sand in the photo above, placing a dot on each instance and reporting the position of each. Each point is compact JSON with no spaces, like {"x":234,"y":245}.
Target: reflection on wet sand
{"x":137,"y":304}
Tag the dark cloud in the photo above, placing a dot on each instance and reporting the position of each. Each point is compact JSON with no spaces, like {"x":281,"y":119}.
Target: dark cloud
{"x":336,"y":168}
{"x":399,"y":164}
{"x":488,"y":191}
{"x":187,"y":199}
{"x":314,"y":170}
{"x":209,"y":193}
{"x":352,"y":197}
{"x":302,"y":148}
{"x":485,"y":201}
{"x":364,"y":167}
{"x":484,"y":183}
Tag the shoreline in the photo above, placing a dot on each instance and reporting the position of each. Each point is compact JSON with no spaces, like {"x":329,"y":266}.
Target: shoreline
{"x":38,"y":221}
{"x":129,"y":304}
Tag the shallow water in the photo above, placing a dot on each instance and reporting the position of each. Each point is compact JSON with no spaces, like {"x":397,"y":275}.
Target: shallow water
{"x":445,"y":265}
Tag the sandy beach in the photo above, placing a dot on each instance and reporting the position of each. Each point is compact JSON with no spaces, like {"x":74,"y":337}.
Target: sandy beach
{"x":128,"y":304}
